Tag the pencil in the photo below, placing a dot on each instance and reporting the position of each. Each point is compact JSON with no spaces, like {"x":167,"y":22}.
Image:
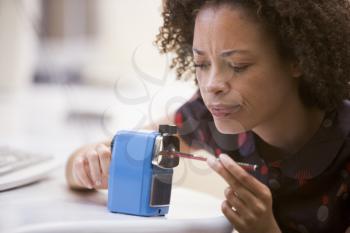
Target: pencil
{"x":246,"y":166}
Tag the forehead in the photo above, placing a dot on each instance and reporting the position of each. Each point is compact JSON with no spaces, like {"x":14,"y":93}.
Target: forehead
{"x":227,"y":26}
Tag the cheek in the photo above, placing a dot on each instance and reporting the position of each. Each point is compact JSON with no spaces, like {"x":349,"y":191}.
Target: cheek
{"x":199,"y":78}
{"x":267,"y":94}
{"x":201,"y":86}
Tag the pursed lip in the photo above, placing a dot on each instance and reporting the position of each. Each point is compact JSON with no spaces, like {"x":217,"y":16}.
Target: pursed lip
{"x":223,"y":110}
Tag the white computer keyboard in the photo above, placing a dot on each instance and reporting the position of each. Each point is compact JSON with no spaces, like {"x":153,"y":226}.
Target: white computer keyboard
{"x":12,"y":160}
{"x":18,"y":167}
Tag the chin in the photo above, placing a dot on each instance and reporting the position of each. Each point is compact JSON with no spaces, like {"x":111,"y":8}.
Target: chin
{"x":229,"y":126}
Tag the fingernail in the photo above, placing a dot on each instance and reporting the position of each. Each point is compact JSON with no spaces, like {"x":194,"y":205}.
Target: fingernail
{"x":211,"y":161}
{"x":98,"y":183}
{"x":223,"y":157}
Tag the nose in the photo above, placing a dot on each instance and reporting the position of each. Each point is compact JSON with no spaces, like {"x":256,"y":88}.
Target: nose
{"x":217,"y":84}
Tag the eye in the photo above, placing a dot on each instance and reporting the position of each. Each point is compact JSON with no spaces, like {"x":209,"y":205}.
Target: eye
{"x":201,"y":65}
{"x":239,"y":68}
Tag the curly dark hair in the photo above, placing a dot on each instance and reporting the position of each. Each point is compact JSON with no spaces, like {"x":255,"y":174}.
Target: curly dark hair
{"x":315,"y":33}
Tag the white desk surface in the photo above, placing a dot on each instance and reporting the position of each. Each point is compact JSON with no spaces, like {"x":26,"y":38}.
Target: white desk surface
{"x":36,"y":121}
{"x":50,"y":206}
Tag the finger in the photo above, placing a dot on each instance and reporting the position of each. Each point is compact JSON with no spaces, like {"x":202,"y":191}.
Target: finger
{"x":104,"y":154}
{"x":232,"y":215}
{"x":243,"y":177}
{"x":96,"y":185}
{"x":236,"y":203}
{"x":94,"y":166}
{"x":104,"y":184}
{"x":88,"y":172}
{"x":245,"y":195}
{"x":80,"y":172}
{"x":76,"y":171}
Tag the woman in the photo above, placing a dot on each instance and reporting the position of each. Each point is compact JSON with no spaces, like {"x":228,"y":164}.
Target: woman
{"x":276,"y":73}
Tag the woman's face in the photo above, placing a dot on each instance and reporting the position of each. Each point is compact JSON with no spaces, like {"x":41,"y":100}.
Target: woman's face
{"x":242,"y":79}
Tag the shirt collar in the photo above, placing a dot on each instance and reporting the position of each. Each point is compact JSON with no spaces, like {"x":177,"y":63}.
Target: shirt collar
{"x":317,"y":155}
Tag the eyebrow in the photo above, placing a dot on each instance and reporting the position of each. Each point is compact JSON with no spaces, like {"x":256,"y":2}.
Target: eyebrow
{"x":226,"y":53}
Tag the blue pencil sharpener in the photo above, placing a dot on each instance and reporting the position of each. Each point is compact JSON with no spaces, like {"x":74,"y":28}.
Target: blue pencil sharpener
{"x":140,"y":179}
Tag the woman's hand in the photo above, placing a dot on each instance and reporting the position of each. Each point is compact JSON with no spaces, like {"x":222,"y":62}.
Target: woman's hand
{"x":90,"y":167}
{"x":248,"y":204}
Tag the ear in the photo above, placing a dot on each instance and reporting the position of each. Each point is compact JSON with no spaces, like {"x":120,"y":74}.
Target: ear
{"x":295,"y":69}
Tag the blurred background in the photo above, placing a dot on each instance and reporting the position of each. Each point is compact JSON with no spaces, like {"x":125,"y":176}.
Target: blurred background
{"x":92,"y":53}
{"x":85,"y":42}
{"x":74,"y":72}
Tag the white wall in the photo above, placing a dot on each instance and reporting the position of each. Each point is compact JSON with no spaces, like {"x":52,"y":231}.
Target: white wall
{"x":126,"y":32}
{"x":126,"y":27}
{"x":17,"y":42}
